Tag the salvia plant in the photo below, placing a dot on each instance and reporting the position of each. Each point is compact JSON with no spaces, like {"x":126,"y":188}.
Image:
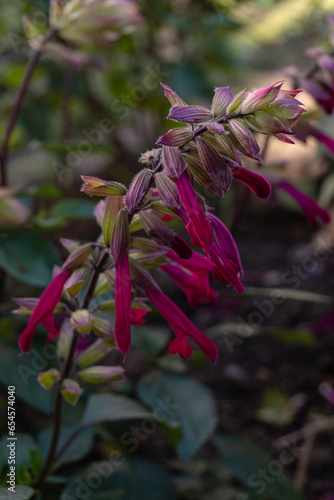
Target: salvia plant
{"x":207,"y":149}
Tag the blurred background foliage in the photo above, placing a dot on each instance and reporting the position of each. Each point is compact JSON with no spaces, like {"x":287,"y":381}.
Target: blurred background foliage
{"x":97,"y":122}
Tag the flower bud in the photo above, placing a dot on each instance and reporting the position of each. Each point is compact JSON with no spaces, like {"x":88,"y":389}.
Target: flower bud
{"x":64,"y":339}
{"x":246,"y":141}
{"x":190,"y":114}
{"x":172,"y":96}
{"x":173,"y":162}
{"x":101,"y":374}
{"x":215,"y":164}
{"x":167,"y":190}
{"x":93,"y":353}
{"x":78,"y":257}
{"x":82,"y":321}
{"x":260,"y":98}
{"x":99,"y":187}
{"x":138,"y":189}
{"x":176,"y":137}
{"x":113,"y":204}
{"x":76,"y":282}
{"x":120,"y":237}
{"x":71,"y":391}
{"x":49,"y":378}
{"x":234,"y":106}
{"x":221,"y":100}
{"x":201,"y":176}
{"x":156,"y":229}
{"x":103,"y":329}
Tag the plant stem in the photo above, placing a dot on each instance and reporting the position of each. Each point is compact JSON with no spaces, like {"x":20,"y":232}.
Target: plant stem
{"x":64,"y":374}
{"x":18,"y":104}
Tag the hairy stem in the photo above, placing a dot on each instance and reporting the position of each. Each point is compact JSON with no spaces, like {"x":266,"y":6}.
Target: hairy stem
{"x":18,"y":103}
{"x":64,"y":374}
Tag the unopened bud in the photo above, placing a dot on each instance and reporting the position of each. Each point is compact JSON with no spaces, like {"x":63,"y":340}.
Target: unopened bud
{"x":78,"y":257}
{"x":215,"y":164}
{"x":76,"y":282}
{"x":173,"y":162}
{"x":167,"y":190}
{"x":93,"y":353}
{"x":113,"y":204}
{"x":49,"y":378}
{"x":138,"y":189}
{"x":71,"y":391}
{"x":100,"y":187}
{"x":190,"y":114}
{"x":82,"y":321}
{"x":174,"y":99}
{"x":120,"y":237}
{"x":101,"y":374}
{"x":221,"y":100}
{"x":176,"y":137}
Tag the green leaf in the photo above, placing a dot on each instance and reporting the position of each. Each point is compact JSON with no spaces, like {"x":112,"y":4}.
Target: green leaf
{"x":36,"y":461}
{"x":245,"y":460}
{"x":22,"y":373}
{"x":275,"y":408}
{"x":21,"y":493}
{"x":178,"y":400}
{"x":28,"y":256}
{"x":111,"y":407}
{"x":79,"y":447}
{"x":73,"y":209}
{"x":120,"y":480}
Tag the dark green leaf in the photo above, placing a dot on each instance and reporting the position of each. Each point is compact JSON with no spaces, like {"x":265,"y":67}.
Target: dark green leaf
{"x":22,"y":372}
{"x":27,"y":255}
{"x":178,"y":400}
{"x":246,"y":461}
{"x":111,"y":407}
{"x":79,"y":447}
{"x":119,"y":480}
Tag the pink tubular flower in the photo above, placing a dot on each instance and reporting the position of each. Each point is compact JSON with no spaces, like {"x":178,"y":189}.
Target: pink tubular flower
{"x":258,"y":184}
{"x":137,"y":316}
{"x":191,"y":283}
{"x":310,"y":207}
{"x":225,"y":269}
{"x":182,"y":327}
{"x":226,"y":242}
{"x":122,"y":304}
{"x":43,"y":312}
{"x":199,"y":266}
{"x":198,"y":226}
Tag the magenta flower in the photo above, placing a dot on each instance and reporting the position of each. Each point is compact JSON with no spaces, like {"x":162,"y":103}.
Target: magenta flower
{"x":182,"y":327}
{"x":258,"y":184}
{"x":225,"y":269}
{"x":43,"y":312}
{"x":137,"y":316}
{"x":226,"y":242}
{"x":310,"y":207}
{"x":200,"y":266}
{"x":122,"y":304}
{"x":198,"y":227}
{"x":194,"y":286}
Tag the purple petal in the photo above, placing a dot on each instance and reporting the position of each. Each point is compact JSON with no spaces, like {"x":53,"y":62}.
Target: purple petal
{"x":222,"y":98}
{"x":176,"y":137}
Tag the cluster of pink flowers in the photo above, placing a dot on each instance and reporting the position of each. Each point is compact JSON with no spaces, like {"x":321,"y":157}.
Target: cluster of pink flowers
{"x":206,"y":151}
